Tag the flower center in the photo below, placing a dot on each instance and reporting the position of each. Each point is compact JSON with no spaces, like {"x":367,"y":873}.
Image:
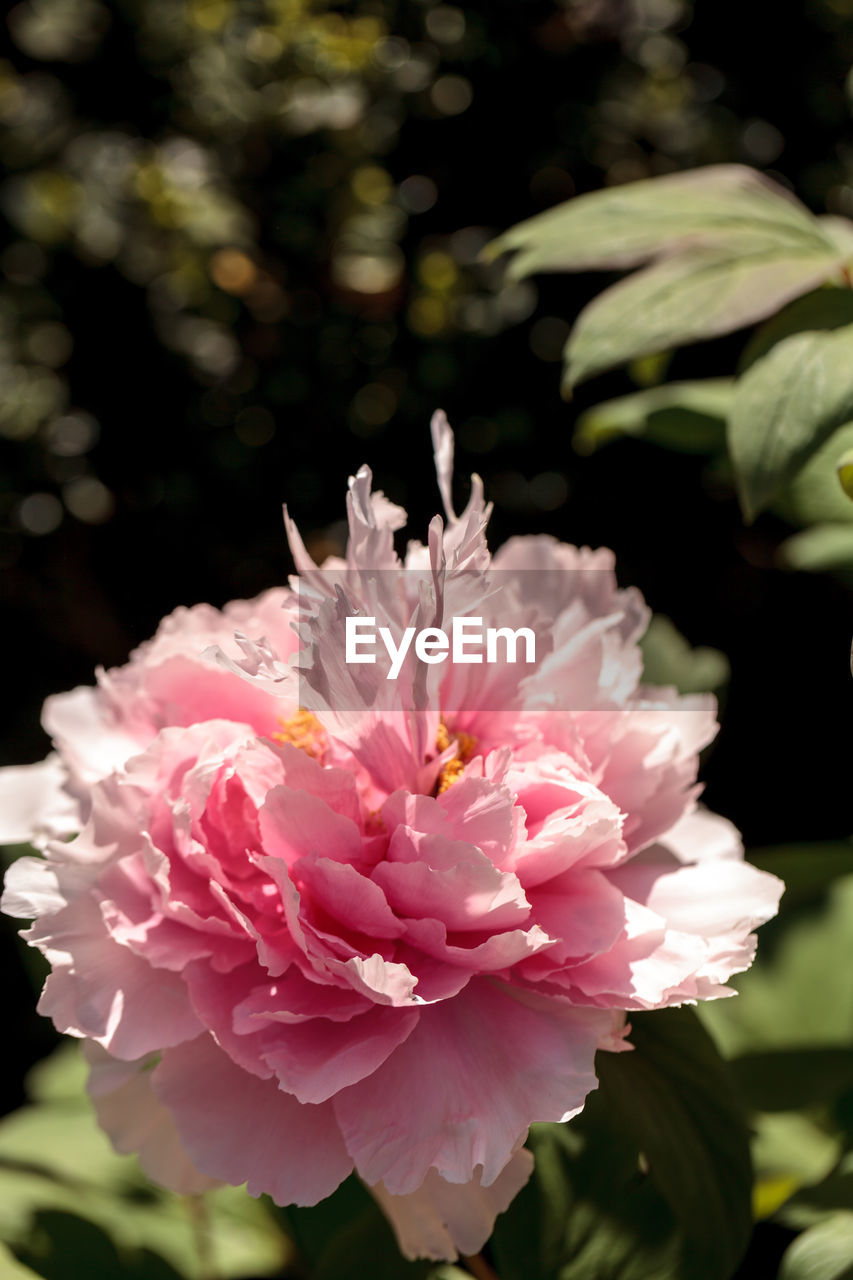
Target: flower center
{"x":453,"y":769}
{"x":303,"y":730}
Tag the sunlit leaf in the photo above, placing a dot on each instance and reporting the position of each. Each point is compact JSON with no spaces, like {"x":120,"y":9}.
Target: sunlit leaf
{"x":629,"y":224}
{"x":688,"y":416}
{"x":789,"y":1151}
{"x":11,"y":1269}
{"x":823,"y":546}
{"x":824,"y":1252}
{"x":812,"y":1204}
{"x":840,"y":231}
{"x":785,"y":406}
{"x":814,"y":495}
{"x":788,"y":1142}
{"x":699,"y":293}
{"x":824,"y":309}
{"x":668,"y":659}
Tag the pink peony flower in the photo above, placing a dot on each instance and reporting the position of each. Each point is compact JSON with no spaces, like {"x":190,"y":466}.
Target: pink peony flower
{"x":371,"y":924}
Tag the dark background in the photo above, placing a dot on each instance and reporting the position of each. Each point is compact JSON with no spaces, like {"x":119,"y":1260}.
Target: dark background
{"x":224,"y":342}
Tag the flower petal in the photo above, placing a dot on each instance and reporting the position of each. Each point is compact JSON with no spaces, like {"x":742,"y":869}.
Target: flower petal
{"x":136,"y":1121}
{"x":35,"y":804}
{"x":465,"y":1086}
{"x":443,"y":1219}
{"x":240,"y":1129}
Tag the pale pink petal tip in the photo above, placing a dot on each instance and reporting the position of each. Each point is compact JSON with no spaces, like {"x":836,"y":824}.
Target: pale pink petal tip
{"x":443,"y":1219}
{"x":34,"y":804}
{"x":135,"y":1120}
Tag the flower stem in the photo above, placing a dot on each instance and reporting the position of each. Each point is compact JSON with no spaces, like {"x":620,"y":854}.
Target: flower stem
{"x":200,"y":1223}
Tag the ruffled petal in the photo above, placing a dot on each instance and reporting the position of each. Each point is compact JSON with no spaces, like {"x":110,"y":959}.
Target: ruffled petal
{"x":443,"y":1219}
{"x":465,"y":1086}
{"x":238,"y":1129}
{"x":34,"y":803}
{"x":136,"y":1122}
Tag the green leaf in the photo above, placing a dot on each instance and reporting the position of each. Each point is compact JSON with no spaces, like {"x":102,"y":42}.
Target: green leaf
{"x":675,"y":1098}
{"x":60,"y":1244}
{"x":689,"y":416}
{"x":347,"y":1236}
{"x":790,"y":1151}
{"x":791,"y":1079}
{"x":814,"y":495}
{"x":626,"y":225}
{"x":812,"y":1204}
{"x":652,"y":1179}
{"x":822,"y":547}
{"x":824,"y":1252}
{"x":61,"y":1077}
{"x":791,"y":1145}
{"x":699,"y":293}
{"x":840,"y":232}
{"x":590,"y":1212}
{"x":785,"y":406}
{"x":827,"y":308}
{"x":669,"y":660}
{"x":11,"y":1269}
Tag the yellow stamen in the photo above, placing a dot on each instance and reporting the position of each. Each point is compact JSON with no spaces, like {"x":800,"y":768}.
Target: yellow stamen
{"x":465,"y":746}
{"x":303,"y":730}
{"x":450,"y":773}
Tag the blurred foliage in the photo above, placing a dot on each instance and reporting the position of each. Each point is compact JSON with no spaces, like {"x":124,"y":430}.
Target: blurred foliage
{"x":273,"y":178}
{"x":66,"y":1196}
{"x":789,"y":1040}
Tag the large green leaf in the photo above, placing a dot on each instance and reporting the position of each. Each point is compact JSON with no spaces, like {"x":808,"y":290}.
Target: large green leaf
{"x":652,"y":1179}
{"x":626,"y":225}
{"x":688,"y":416}
{"x":790,"y":1079}
{"x":590,"y":1211}
{"x":826,"y":308}
{"x":824,"y":1252}
{"x":785,"y":406}
{"x":698,"y":293}
{"x":674,"y":1096}
{"x":727,"y":247}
